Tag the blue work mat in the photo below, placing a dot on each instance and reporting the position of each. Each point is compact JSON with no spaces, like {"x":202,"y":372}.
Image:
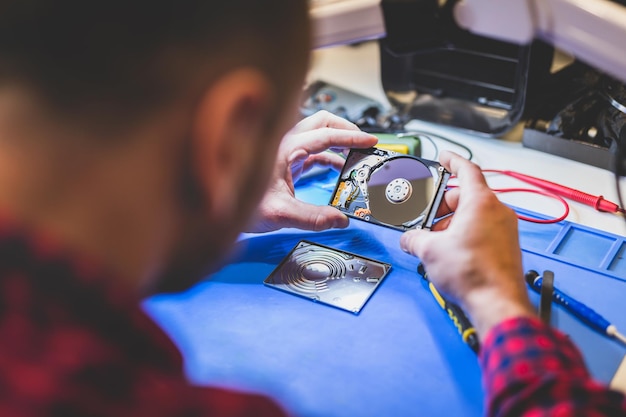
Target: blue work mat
{"x":400,"y":356}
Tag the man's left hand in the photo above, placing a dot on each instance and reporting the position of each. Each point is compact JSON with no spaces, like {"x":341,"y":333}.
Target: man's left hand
{"x":305,"y":146}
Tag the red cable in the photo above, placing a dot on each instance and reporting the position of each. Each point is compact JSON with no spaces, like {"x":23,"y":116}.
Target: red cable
{"x":598,"y":202}
{"x":540,"y":192}
{"x":557,"y":191}
{"x":529,"y":190}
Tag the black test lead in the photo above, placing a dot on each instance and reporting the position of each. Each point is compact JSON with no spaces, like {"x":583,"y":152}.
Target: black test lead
{"x":577,"y":309}
{"x":456,"y":314}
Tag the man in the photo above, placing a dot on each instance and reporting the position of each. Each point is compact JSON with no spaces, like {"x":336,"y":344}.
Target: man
{"x":136,"y":138}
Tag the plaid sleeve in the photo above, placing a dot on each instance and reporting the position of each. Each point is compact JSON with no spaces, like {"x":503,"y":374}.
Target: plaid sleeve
{"x":530,"y":369}
{"x":73,"y":344}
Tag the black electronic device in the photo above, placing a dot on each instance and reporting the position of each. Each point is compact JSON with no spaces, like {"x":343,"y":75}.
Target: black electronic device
{"x":435,"y":71}
{"x":390,"y":189}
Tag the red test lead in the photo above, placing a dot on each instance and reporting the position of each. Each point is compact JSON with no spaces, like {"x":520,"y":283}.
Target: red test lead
{"x":597,"y":202}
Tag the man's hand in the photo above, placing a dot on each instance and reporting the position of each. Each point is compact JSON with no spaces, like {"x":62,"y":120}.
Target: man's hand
{"x":303,"y":147}
{"x":473,"y":256}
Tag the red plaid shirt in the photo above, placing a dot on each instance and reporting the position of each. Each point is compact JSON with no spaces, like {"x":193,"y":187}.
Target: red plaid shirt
{"x":531,"y":370}
{"x":72,"y":345}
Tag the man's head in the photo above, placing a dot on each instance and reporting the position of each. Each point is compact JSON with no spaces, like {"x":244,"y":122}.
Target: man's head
{"x":144,"y":132}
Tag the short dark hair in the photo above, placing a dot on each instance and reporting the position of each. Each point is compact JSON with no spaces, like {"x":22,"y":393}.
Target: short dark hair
{"x":124,"y":57}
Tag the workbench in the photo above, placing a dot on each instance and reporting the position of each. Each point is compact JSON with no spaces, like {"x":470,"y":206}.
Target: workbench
{"x":400,"y":356}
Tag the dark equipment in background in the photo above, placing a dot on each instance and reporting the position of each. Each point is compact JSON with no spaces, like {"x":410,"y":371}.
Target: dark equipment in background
{"x":578,"y":113}
{"x":432,"y":70}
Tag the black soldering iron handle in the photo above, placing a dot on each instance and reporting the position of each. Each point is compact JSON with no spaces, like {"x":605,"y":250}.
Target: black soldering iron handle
{"x":463,"y":325}
{"x":456,"y":313}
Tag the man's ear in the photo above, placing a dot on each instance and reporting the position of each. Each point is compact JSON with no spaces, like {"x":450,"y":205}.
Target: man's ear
{"x":230,"y":124}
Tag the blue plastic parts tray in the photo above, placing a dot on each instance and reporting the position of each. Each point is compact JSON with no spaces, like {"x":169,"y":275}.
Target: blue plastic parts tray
{"x":400,"y":356}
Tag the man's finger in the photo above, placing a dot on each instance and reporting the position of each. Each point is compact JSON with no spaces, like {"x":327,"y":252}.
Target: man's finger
{"x":449,"y":203}
{"x":323,"y":119}
{"x":307,"y":216}
{"x":413,"y":241}
{"x":326,"y":159}
{"x":469,"y":174}
{"x":320,"y":140}
{"x":442,"y":224}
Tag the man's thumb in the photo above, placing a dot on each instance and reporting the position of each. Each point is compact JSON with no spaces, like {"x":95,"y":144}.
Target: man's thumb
{"x":413,"y":241}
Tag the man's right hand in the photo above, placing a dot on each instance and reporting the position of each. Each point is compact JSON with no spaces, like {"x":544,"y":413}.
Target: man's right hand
{"x":473,"y":256}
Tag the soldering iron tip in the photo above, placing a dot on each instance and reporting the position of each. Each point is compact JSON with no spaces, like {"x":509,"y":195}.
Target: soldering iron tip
{"x":612,"y":331}
{"x":620,"y":337}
